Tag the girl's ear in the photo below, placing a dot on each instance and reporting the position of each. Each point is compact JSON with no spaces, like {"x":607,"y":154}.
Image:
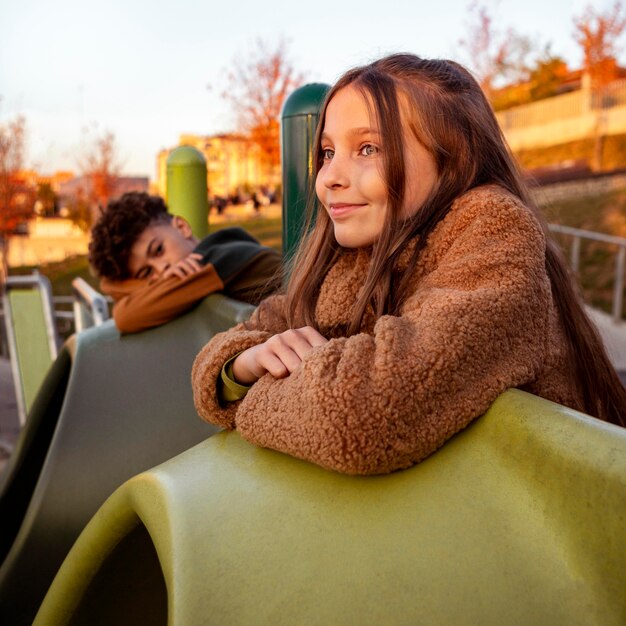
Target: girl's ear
{"x":182,"y":226}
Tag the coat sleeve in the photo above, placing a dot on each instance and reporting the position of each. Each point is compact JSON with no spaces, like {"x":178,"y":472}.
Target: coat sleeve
{"x":267,"y":320}
{"x":475,"y":325}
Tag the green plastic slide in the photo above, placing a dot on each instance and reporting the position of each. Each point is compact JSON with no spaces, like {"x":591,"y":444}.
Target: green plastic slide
{"x":520,"y":519}
{"x":111,"y":407}
{"x":31,"y":335}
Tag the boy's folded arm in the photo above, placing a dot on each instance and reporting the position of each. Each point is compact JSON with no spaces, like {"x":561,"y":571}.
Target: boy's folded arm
{"x":139,"y":305}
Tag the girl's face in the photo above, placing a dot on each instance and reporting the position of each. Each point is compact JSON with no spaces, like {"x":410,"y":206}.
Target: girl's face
{"x":351,"y":184}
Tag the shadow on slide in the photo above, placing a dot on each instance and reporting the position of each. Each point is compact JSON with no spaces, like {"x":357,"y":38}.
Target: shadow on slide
{"x":109,"y":408}
{"x":519,"y":519}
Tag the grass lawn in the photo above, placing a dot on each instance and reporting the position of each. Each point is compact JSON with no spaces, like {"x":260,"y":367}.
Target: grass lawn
{"x":269,"y":231}
{"x":604,"y":213}
{"x":62,"y":273}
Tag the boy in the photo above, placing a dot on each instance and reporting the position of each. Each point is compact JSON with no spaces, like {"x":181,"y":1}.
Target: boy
{"x":153,"y":267}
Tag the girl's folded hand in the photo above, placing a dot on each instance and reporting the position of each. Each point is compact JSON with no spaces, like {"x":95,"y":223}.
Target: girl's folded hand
{"x":280,"y":355}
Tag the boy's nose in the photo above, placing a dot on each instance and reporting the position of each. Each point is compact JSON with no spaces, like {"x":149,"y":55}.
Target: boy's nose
{"x":159,"y":266}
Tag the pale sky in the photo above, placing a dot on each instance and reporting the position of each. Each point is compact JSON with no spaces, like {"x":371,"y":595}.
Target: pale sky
{"x":140,"y":68}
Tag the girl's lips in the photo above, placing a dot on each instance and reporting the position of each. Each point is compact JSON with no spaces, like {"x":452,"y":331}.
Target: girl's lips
{"x":339,"y":209}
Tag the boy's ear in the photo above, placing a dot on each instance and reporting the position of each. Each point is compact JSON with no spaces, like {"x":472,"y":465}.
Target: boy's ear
{"x":182,"y":226}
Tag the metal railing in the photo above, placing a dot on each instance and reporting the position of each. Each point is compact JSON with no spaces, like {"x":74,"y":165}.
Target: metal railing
{"x":90,"y":307}
{"x":577,"y":235}
{"x":86,"y":307}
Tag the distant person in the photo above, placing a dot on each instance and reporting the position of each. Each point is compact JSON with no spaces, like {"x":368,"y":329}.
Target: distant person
{"x":256,"y":202}
{"x":153,"y":267}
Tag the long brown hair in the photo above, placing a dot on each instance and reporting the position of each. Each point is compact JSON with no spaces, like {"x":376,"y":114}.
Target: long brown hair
{"x":450,"y":116}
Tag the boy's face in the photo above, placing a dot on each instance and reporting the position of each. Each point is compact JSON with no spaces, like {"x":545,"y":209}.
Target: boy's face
{"x":160,"y":245}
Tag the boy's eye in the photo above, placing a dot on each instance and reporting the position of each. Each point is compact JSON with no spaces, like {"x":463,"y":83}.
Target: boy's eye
{"x":158,"y":251}
{"x":368,"y":150}
{"x":327,"y":153}
{"x":144,"y":272}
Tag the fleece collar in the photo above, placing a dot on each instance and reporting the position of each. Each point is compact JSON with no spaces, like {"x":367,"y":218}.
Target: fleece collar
{"x":342,"y":285}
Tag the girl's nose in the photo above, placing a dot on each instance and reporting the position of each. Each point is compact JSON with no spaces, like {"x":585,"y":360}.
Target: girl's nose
{"x":335,"y":175}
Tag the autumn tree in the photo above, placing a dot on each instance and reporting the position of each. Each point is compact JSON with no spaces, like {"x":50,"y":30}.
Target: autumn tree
{"x":547,"y":75}
{"x":101,"y":169}
{"x":101,"y":165}
{"x":257,"y":87}
{"x":494,"y":56}
{"x":598,"y":34}
{"x":16,"y":195}
{"x":47,"y":201}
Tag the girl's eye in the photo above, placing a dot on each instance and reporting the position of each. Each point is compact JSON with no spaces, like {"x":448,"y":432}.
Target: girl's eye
{"x":368,"y":150}
{"x":158,"y":251}
{"x":327,"y":154}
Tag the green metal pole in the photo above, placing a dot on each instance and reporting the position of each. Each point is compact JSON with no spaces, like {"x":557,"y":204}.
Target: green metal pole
{"x":187,"y":188}
{"x":299,"y":119}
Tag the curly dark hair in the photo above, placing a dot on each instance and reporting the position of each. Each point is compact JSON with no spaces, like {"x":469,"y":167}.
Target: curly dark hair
{"x":117,"y":229}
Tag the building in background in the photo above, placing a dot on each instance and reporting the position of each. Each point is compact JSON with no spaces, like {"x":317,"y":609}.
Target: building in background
{"x":234,"y":165}
{"x":34,"y":179}
{"x":76,"y":196}
{"x":82,"y":185}
{"x":52,"y":236}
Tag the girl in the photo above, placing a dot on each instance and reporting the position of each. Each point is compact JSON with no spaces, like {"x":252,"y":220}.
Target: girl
{"x":425,"y":288}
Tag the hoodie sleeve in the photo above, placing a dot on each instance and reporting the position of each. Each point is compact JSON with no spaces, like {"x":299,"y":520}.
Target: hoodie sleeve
{"x":140,"y":305}
{"x":475,"y":325}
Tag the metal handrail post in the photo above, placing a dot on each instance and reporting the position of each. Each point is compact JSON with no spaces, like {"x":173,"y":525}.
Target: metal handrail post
{"x":618,"y":294}
{"x":575,"y":255}
{"x":85,"y":294}
{"x":13,"y":351}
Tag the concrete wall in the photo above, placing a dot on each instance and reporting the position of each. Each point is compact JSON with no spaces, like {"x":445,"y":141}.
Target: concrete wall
{"x":577,"y":115}
{"x":49,"y":240}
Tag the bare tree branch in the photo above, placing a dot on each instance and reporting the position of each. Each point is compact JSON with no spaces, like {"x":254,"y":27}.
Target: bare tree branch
{"x":17,"y":198}
{"x":598,"y":34}
{"x":257,"y":88}
{"x":101,"y":167}
{"x":493,"y":55}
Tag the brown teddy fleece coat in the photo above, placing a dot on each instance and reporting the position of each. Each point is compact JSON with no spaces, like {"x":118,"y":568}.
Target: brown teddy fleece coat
{"x":480,"y":319}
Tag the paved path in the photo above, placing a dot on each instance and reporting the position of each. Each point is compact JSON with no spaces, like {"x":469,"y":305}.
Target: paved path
{"x":614,"y":336}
